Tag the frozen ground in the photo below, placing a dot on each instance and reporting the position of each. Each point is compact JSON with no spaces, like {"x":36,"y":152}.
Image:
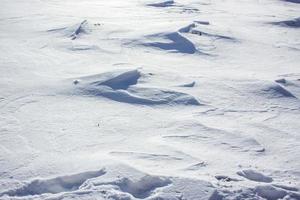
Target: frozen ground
{"x":136,"y":99}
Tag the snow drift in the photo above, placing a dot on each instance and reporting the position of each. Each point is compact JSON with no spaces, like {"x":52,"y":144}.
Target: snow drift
{"x":122,"y":86}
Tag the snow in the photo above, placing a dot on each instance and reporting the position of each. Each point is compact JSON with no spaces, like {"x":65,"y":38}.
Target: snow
{"x":117,"y":86}
{"x":147,"y":99}
{"x":255,"y":176}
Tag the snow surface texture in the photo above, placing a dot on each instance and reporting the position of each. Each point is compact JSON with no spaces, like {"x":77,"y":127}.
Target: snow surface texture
{"x":158,"y":100}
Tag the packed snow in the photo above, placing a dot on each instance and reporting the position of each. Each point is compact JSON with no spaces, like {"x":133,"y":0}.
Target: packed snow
{"x":149,"y":99}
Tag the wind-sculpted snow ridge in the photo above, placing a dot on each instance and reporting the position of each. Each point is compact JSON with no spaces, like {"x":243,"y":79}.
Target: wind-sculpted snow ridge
{"x":180,"y":42}
{"x":293,"y":1}
{"x":162,"y":4}
{"x":73,"y":31}
{"x":195,"y":29}
{"x":294,"y":23}
{"x":175,"y":43}
{"x":192,"y":84}
{"x":267,"y":90}
{"x":255,"y":176}
{"x":291,"y":84}
{"x":122,"y":86}
{"x":179,"y":8}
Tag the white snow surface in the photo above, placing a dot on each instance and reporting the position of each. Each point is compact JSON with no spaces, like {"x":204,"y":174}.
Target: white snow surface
{"x":149,"y":99}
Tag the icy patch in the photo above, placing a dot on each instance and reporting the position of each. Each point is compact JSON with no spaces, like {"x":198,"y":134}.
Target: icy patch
{"x":255,"y":176}
{"x":119,"y":86}
{"x":54,"y":185}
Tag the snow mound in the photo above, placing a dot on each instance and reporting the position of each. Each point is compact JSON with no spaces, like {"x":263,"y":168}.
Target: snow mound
{"x":54,"y":185}
{"x":175,"y":43}
{"x":162,"y":4}
{"x":255,"y":176}
{"x":121,"y":86}
{"x":294,"y":23}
